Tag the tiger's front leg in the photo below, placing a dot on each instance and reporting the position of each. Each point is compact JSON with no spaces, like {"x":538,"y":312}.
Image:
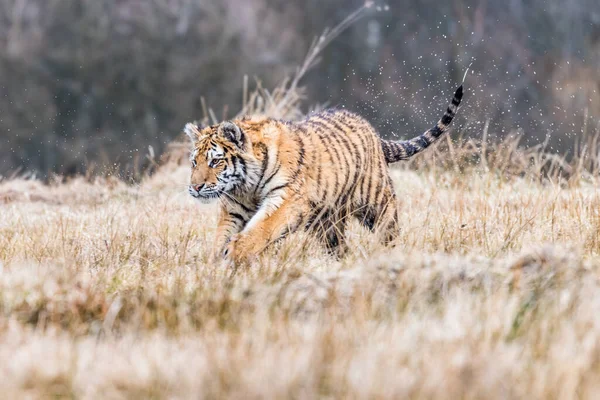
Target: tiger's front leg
{"x":267,"y":226}
{"x":230,"y":224}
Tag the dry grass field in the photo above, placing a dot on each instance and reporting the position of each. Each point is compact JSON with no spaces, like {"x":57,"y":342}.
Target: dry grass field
{"x":492,"y":290}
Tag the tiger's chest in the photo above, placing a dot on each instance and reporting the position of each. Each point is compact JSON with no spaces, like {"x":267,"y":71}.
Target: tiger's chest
{"x":245,"y":206}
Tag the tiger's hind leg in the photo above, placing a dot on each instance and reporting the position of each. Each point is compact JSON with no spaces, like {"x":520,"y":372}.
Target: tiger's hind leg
{"x":330,"y":228}
{"x":381,"y":217}
{"x":389,"y":223}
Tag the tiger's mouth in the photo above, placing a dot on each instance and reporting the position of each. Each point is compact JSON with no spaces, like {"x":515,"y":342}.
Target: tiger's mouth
{"x":205,"y":196}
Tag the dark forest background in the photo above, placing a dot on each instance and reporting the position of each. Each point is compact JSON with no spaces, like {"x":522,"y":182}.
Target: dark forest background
{"x":95,"y":82}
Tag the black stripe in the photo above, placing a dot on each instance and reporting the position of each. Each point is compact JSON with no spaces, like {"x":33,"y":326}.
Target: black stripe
{"x":367,"y":193}
{"x":236,"y":201}
{"x":436,"y":131}
{"x":367,"y":175}
{"x":234,"y":168}
{"x":421,"y":141}
{"x":378,"y":175}
{"x":409,"y":149}
{"x":242,"y":163}
{"x":265,"y":183}
{"x":237,"y":216}
{"x":300,"y":159}
{"x":265,"y":162}
{"x":277,"y":188}
{"x":459,"y":93}
{"x":300,"y":141}
{"x":379,"y":192}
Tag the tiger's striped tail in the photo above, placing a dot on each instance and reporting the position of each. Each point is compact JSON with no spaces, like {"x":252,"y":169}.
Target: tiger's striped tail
{"x":404,"y":149}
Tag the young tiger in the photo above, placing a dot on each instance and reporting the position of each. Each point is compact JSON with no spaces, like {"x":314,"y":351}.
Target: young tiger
{"x":275,"y":177}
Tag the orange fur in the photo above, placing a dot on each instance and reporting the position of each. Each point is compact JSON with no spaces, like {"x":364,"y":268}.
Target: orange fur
{"x":274,"y":177}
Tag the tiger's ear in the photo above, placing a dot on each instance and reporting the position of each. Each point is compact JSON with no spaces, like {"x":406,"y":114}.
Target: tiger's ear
{"x":193,"y":132}
{"x":232,"y":133}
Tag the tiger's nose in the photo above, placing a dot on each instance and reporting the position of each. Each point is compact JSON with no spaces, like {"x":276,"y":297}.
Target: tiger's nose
{"x":198,"y":188}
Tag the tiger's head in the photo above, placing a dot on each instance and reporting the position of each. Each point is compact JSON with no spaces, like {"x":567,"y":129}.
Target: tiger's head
{"x":219,"y":160}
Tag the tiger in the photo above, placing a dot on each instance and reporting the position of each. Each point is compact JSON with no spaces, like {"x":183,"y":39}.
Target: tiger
{"x":273,"y":177}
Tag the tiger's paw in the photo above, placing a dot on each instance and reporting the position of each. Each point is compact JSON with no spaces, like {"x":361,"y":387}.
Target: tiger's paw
{"x":229,"y":249}
{"x":241,"y":249}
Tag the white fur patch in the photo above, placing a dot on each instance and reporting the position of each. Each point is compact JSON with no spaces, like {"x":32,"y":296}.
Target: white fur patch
{"x":268,"y":207}
{"x":192,"y":132}
{"x":217,"y":152}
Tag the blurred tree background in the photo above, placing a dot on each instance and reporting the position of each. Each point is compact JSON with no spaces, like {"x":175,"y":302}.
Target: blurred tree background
{"x":95,"y":82}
